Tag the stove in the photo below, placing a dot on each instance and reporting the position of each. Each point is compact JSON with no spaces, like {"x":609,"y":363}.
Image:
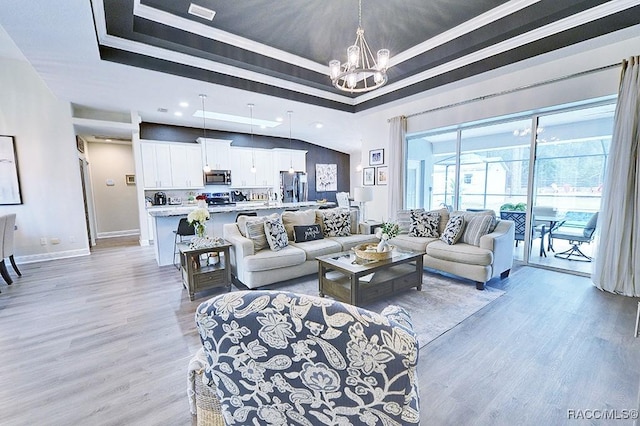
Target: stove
{"x":219,"y":199}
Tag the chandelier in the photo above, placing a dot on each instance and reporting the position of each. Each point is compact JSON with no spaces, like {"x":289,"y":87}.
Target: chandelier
{"x":362,"y":72}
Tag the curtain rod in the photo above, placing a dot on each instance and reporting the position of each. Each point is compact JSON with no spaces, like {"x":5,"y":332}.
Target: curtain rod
{"x":515,"y":89}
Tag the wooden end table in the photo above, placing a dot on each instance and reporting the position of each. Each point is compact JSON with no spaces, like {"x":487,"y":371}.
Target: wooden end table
{"x":347,"y":278}
{"x":198,"y":275}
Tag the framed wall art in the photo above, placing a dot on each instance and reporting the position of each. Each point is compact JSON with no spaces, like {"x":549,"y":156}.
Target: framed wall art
{"x":9,"y":178}
{"x":382,"y":174}
{"x":326,"y":177}
{"x":376,"y":157}
{"x":369,"y":176}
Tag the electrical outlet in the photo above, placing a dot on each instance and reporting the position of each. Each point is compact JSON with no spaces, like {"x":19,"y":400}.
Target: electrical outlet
{"x":55,"y":240}
{"x":43,"y":241}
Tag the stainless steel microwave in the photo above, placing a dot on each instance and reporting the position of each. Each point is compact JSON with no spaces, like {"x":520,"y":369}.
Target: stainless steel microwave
{"x":217,"y":177}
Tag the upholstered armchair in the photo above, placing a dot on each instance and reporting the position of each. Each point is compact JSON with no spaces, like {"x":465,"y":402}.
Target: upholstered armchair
{"x":284,"y":358}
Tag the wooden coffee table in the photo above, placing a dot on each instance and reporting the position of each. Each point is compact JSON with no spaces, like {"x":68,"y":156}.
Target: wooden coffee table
{"x":347,"y":278}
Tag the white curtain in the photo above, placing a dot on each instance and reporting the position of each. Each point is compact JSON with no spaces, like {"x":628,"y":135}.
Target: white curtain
{"x":617,"y":263}
{"x":395,"y":182}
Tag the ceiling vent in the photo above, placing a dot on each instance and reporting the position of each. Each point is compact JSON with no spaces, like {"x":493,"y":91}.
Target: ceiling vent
{"x":201,"y":12}
{"x":163,"y":110}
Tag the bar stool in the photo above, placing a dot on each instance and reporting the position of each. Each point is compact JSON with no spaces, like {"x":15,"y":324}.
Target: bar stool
{"x":185,"y":229}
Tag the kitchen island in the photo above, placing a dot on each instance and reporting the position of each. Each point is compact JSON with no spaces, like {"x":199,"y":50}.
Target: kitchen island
{"x":166,"y":220}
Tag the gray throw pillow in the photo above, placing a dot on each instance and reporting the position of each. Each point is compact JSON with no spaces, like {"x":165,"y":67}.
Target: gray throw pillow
{"x":476,"y":227}
{"x":453,"y":230}
{"x":255,"y":232}
{"x":276,"y":234}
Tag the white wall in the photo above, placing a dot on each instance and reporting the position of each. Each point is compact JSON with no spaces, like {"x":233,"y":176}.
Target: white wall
{"x":116,"y":205}
{"x":48,"y":166}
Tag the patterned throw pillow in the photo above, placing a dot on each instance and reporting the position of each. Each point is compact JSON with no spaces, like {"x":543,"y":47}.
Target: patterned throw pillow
{"x":476,"y":227}
{"x":276,"y":234}
{"x":424,"y":224}
{"x":453,"y":230}
{"x":255,"y":232}
{"x":403,"y":219}
{"x":337,"y":224}
{"x":307,"y":233}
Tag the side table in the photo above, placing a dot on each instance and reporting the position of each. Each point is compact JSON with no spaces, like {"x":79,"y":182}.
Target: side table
{"x":198,"y":274}
{"x":369,"y":227}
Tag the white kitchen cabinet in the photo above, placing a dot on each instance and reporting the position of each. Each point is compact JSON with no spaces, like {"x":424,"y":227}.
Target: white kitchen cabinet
{"x":186,"y":166}
{"x":216,"y":153}
{"x":242,"y":160}
{"x":156,"y":165}
{"x":286,"y":158}
{"x":171,"y":165}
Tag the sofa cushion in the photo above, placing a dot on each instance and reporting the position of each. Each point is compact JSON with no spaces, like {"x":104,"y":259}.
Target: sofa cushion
{"x":276,"y":234}
{"x":302,"y":233}
{"x":351,"y":241}
{"x":424,"y":224}
{"x":242,"y":221}
{"x":299,"y":218}
{"x":407,"y":242}
{"x":317,"y":248}
{"x":453,"y":230}
{"x":403,"y":219}
{"x":460,"y":253}
{"x":337,"y":223}
{"x":255,"y":232}
{"x":267,"y":260}
{"x":475,"y":228}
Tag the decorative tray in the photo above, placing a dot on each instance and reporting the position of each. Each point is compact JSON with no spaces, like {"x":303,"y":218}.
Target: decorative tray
{"x":368,"y":252}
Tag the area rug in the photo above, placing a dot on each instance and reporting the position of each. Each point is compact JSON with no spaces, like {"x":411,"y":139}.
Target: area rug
{"x":442,"y":304}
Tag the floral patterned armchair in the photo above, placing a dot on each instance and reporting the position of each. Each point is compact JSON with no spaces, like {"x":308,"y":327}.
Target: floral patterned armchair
{"x":282,"y":358}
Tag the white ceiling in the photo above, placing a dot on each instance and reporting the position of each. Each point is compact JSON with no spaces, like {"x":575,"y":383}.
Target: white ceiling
{"x":59,"y":39}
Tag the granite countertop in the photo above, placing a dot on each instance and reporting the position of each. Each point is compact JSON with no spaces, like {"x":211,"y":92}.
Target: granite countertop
{"x":179,"y":210}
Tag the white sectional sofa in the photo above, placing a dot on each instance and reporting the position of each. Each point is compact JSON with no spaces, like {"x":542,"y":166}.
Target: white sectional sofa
{"x":492,"y":257}
{"x":258,"y":268}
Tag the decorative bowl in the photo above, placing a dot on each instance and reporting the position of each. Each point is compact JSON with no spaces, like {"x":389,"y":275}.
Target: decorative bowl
{"x":371,"y":254}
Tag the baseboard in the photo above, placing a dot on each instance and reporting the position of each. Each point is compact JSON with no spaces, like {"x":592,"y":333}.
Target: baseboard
{"x":52,"y":256}
{"x":115,"y":234}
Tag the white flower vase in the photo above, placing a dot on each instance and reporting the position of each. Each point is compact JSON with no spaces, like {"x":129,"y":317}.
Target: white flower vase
{"x":202,"y":204}
{"x":382,"y":246}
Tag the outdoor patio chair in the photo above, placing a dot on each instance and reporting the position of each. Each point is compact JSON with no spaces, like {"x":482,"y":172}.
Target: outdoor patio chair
{"x":576,"y":236}
{"x":519,"y":218}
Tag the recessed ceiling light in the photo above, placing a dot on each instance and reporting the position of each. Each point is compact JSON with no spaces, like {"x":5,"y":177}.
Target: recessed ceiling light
{"x":279,"y":119}
{"x":318,"y":125}
{"x":201,"y":12}
{"x":235,"y":119}
{"x":184,"y":104}
{"x":178,"y":113}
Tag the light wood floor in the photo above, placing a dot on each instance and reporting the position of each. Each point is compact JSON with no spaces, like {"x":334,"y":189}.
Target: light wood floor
{"x":106,"y":339}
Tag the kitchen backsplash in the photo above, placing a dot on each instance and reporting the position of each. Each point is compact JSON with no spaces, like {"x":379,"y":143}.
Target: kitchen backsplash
{"x":186,"y":197}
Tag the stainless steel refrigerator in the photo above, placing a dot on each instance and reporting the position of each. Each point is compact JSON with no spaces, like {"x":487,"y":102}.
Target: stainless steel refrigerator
{"x":293,"y":187}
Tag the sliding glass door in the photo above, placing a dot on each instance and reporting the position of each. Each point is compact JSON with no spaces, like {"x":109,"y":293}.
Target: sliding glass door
{"x":552,"y":201}
{"x":571,"y":156}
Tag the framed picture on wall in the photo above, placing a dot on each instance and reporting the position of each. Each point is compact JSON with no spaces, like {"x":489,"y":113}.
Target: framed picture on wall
{"x":382,"y":175}
{"x":376,"y":157}
{"x":369,"y":176}
{"x":9,"y":178}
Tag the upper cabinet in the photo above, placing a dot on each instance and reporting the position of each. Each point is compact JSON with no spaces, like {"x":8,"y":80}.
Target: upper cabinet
{"x":156,"y":165}
{"x":287,"y":158}
{"x":171,"y":165}
{"x":216,"y":153}
{"x":244,"y":160}
{"x":186,"y":166}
